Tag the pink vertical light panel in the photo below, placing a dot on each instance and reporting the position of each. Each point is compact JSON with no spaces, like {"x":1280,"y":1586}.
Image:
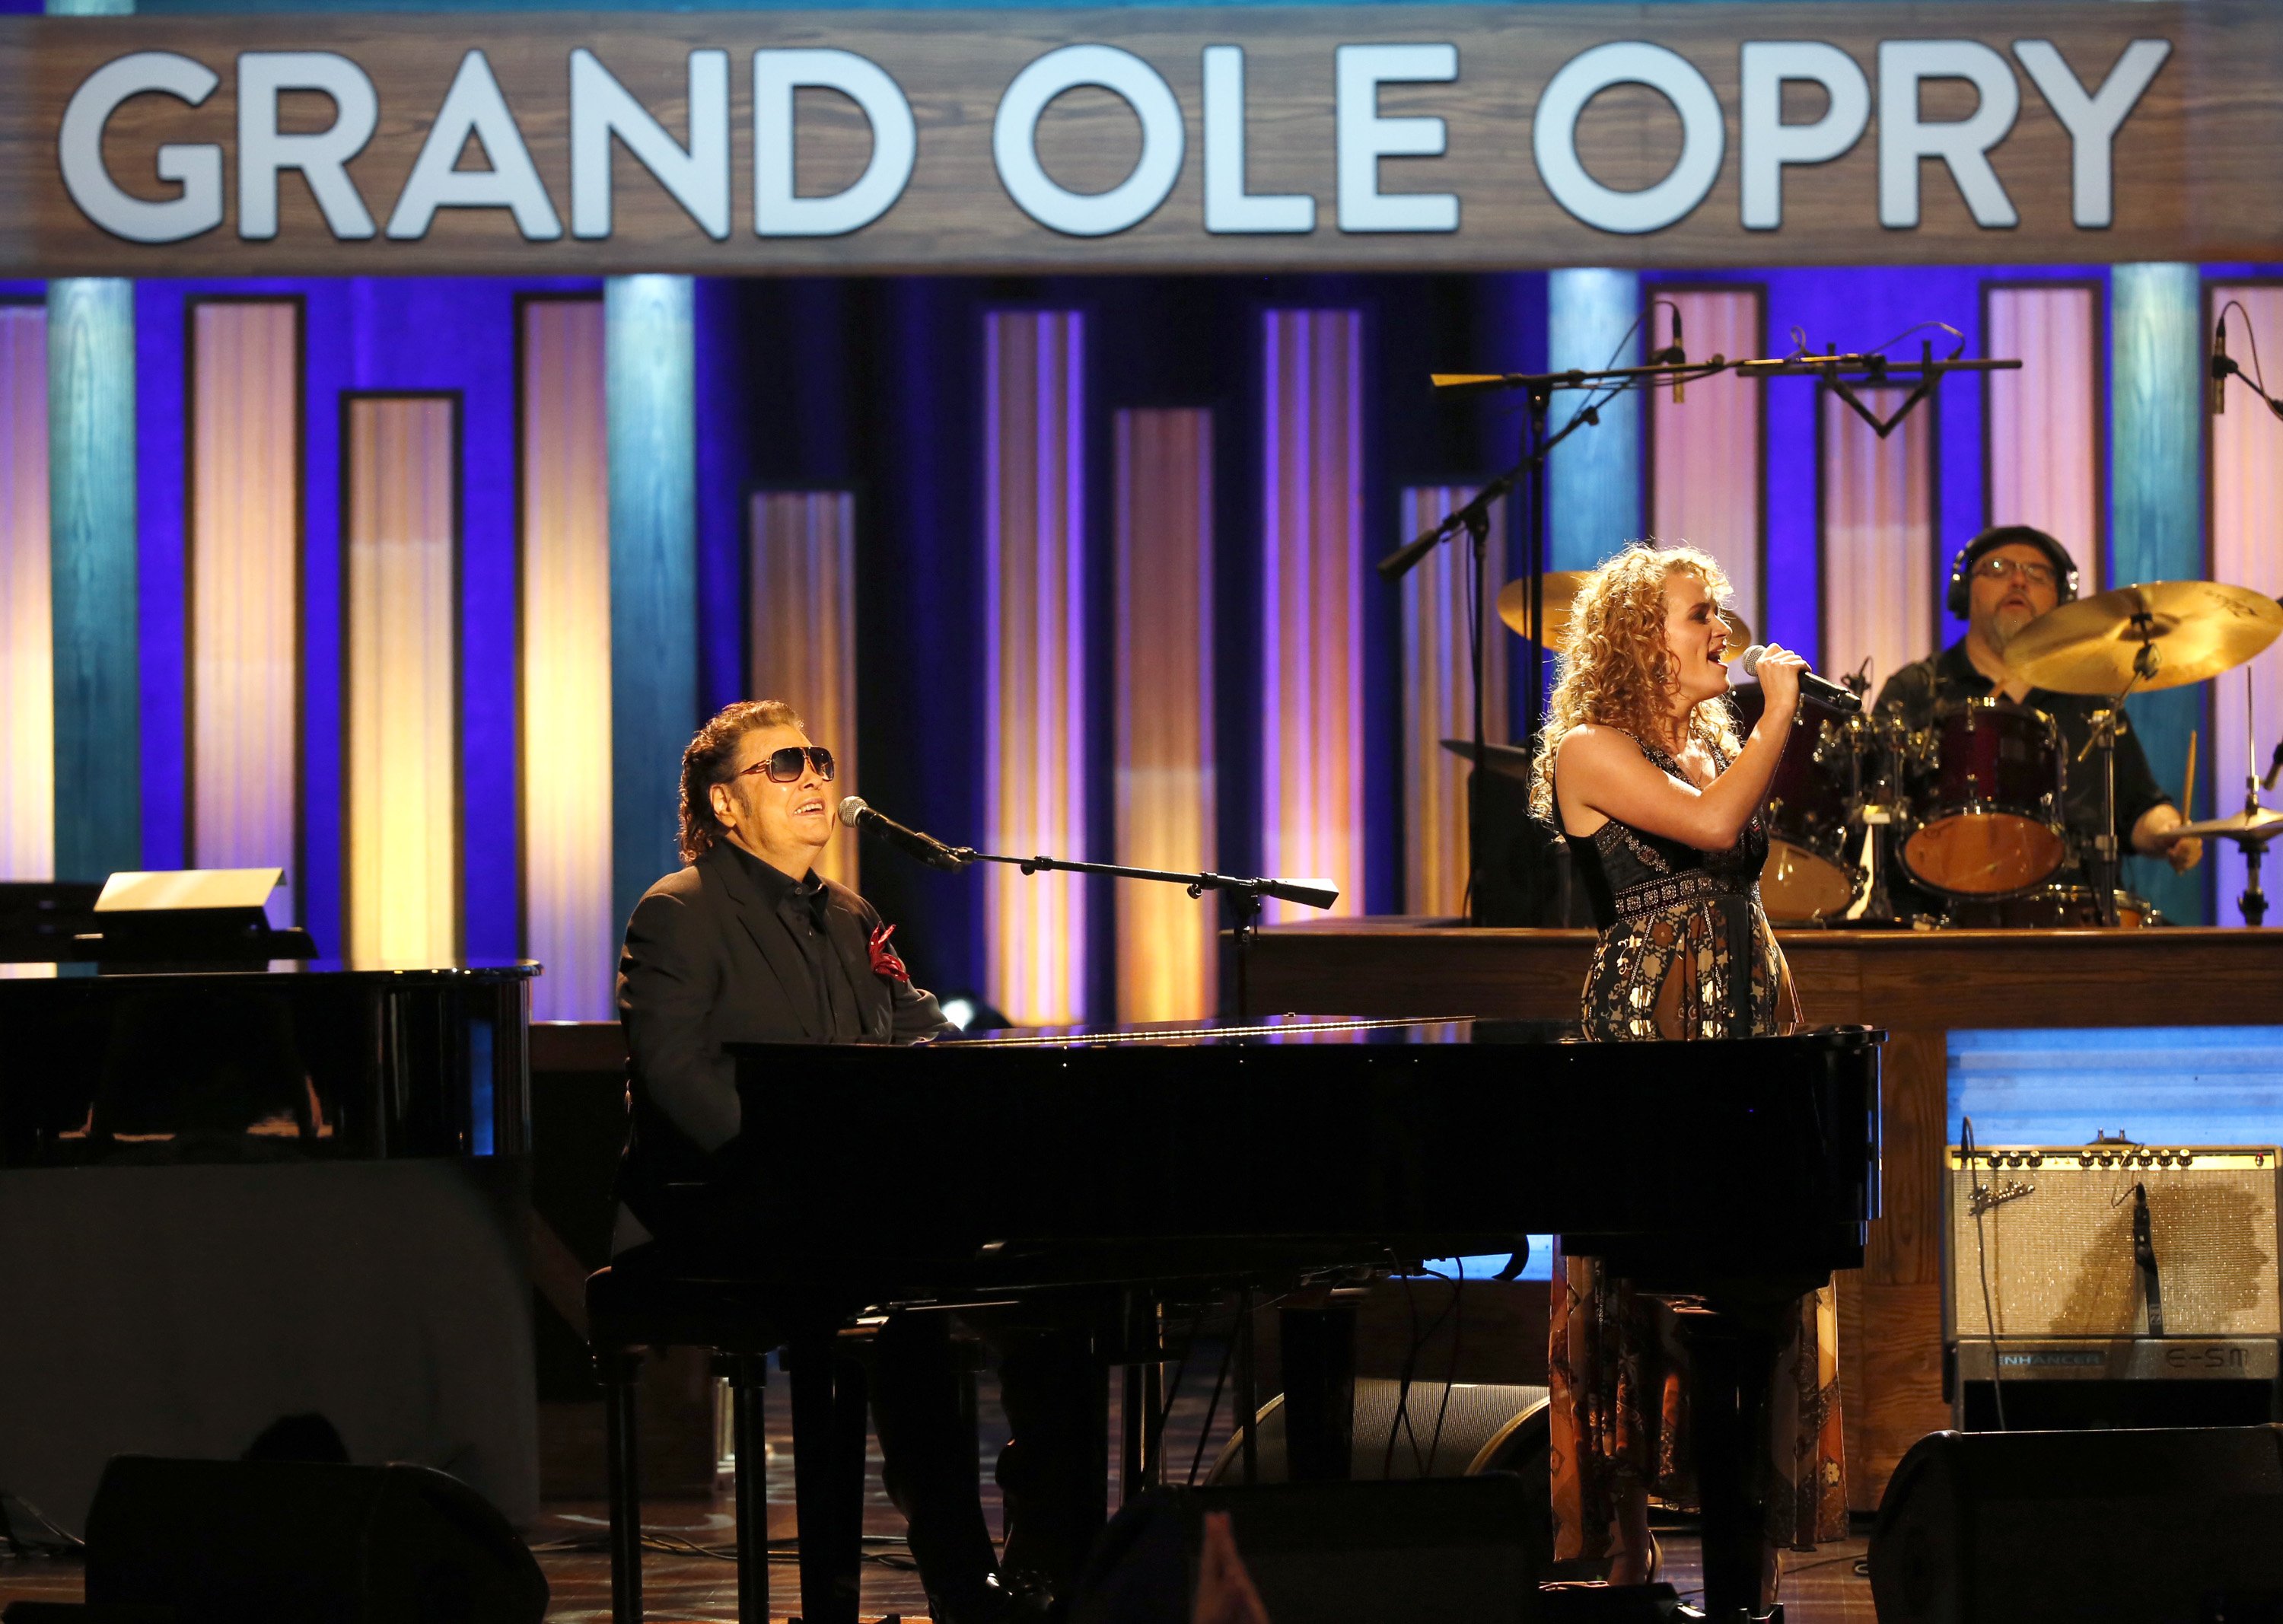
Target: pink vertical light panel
{"x":243,"y":590}
{"x":802,"y":619}
{"x":1312,"y":603}
{"x":564,"y":579}
{"x":1034,"y":540}
{"x":1877,"y":500}
{"x":2041,"y":432}
{"x":1707,"y":478}
{"x":1166,"y":788}
{"x":28,"y":710}
{"x":1439,"y":689}
{"x":2246,"y":550}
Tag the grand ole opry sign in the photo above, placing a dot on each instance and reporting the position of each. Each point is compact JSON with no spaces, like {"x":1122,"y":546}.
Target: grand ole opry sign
{"x":1260,"y":139}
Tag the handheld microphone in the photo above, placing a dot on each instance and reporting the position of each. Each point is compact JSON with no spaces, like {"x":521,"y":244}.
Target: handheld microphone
{"x":911,"y":842}
{"x":2220,"y":366}
{"x":1822,"y":689}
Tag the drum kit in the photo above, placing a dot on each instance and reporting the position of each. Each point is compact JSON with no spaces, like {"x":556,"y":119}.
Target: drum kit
{"x":1970,"y":803}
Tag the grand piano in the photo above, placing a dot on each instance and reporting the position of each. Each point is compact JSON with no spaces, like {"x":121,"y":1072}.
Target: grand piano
{"x":1733,"y":1175}
{"x":259,"y":1189}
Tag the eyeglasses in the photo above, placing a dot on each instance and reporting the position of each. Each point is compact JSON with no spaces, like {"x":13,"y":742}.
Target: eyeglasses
{"x":784,"y":766}
{"x":2006,"y":569}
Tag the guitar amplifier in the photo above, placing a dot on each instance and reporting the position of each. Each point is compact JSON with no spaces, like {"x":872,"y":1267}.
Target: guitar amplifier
{"x":2061,"y":1245}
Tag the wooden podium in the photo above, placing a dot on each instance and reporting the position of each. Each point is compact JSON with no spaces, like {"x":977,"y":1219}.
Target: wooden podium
{"x":1915,"y":985}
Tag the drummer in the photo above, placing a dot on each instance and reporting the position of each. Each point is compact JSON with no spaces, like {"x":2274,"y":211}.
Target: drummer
{"x":2002,"y":580}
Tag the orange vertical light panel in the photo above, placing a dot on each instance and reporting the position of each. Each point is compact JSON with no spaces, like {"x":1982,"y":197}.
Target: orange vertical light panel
{"x":400,"y":537}
{"x":1034,"y":636}
{"x":2041,"y":428}
{"x":2246,"y":550}
{"x":244,"y":596}
{"x":1312,"y":603}
{"x":1878,"y":537}
{"x":1167,"y":801}
{"x":564,"y":580}
{"x":1706,"y":473}
{"x":802,"y":620}
{"x":1438,"y":697}
{"x":27,"y":709}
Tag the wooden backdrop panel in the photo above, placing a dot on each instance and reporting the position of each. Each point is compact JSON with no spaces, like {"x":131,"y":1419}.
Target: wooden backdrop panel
{"x":2193,"y":176}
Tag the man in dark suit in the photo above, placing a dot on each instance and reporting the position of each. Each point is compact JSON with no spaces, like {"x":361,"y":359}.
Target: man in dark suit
{"x":749,"y":944}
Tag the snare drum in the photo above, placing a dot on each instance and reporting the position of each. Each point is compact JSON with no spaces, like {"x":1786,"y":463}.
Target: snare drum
{"x":1809,"y":875}
{"x":1985,"y":798}
{"x":2048,"y":908}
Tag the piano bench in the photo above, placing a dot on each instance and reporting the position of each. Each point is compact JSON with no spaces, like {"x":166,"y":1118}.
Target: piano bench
{"x":643,"y":1301}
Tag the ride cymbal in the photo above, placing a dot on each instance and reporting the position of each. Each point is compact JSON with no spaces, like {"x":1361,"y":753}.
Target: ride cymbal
{"x":2192,"y":631}
{"x":2253,"y":828}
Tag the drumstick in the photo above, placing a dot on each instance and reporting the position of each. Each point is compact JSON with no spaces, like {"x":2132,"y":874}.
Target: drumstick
{"x":2188,"y":795}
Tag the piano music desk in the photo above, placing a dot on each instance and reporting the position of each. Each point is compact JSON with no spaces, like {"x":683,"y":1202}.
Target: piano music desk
{"x":1915,"y":985}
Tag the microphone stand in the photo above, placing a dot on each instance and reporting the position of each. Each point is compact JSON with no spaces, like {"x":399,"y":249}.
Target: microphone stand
{"x":1245,"y":896}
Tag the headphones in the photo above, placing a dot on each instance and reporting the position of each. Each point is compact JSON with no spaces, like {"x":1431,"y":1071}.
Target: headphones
{"x":1961,"y":567}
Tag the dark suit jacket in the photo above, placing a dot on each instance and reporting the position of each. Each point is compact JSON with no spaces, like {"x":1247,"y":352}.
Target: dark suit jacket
{"x":707,"y":963}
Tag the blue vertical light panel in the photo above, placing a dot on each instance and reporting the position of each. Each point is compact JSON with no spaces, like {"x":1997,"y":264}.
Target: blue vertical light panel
{"x":1593,"y":477}
{"x":650,"y":366}
{"x":91,"y":533}
{"x":2156,"y":508}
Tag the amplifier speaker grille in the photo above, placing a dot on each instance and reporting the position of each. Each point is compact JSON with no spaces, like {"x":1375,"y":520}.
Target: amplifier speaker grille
{"x":2057,"y":1242}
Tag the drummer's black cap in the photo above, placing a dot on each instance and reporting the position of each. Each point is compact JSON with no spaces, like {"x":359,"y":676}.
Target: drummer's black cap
{"x":2007,"y":535}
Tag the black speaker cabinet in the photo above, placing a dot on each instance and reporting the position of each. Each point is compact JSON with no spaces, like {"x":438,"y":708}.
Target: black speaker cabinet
{"x":293,"y":1542}
{"x":2165,"y":1525}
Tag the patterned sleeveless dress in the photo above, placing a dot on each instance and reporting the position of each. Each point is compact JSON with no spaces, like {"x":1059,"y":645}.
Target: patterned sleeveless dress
{"x":1684,"y":952}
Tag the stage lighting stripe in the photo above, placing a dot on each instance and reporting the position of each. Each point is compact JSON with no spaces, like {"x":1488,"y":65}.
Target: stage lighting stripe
{"x":802,"y":624}
{"x":243,"y":590}
{"x":1438,"y":688}
{"x":400,"y":529}
{"x":1166,"y":787}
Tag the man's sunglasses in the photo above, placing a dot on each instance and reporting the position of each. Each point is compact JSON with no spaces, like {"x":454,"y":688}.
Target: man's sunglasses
{"x":784,"y":766}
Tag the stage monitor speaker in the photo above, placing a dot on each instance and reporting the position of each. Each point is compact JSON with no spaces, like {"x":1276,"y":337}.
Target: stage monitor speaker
{"x":2166,"y":1525}
{"x":1463,"y":1429}
{"x":296,"y":1543}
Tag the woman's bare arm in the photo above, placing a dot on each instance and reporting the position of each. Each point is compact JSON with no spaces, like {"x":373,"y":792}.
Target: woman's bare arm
{"x":1599,"y":770}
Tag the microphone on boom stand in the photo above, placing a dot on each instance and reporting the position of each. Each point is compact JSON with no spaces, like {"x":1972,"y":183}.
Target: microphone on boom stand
{"x":1822,"y":689}
{"x":911,"y":842}
{"x":2220,"y":366}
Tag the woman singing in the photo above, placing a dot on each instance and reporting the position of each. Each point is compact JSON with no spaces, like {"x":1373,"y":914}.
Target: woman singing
{"x":1640,"y":768}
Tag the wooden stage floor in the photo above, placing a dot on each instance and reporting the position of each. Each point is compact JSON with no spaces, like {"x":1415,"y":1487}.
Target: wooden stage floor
{"x":1821,"y":1587}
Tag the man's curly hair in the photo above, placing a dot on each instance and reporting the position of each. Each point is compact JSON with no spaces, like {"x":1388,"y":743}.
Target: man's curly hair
{"x":1614,"y":669}
{"x":707,"y":762}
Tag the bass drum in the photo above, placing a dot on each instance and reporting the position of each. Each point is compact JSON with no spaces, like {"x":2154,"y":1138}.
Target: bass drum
{"x":1809,"y":876}
{"x":1984,"y":785}
{"x":2048,"y":908}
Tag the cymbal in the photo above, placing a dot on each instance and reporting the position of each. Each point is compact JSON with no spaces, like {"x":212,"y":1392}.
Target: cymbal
{"x":2256,"y":827}
{"x":2195,"y":628}
{"x":1512,"y":759}
{"x":1561,"y":590}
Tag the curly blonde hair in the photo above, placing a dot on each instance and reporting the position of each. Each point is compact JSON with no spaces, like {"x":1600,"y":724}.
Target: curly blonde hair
{"x":1614,"y":669}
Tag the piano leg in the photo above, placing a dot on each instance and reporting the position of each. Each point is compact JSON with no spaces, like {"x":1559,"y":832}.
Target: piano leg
{"x":1055,"y":1470}
{"x":1318,"y":1351}
{"x":1732,"y":1359}
{"x":618,"y":1369}
{"x":828,"y":1426}
{"x":749,"y":1376}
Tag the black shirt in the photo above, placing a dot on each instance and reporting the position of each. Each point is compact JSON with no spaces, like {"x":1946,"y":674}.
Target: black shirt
{"x":1919,"y":691}
{"x":799,"y":908}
